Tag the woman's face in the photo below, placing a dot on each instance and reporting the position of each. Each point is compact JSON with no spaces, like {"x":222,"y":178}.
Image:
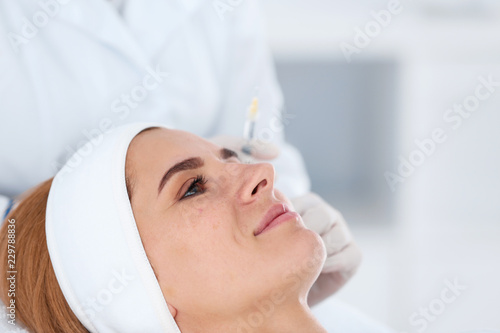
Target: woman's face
{"x":200,"y":227}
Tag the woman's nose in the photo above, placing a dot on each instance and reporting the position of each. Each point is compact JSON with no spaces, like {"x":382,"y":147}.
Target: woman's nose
{"x":256,"y":180}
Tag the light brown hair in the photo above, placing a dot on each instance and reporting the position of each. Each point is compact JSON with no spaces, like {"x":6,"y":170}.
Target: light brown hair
{"x":40,"y":303}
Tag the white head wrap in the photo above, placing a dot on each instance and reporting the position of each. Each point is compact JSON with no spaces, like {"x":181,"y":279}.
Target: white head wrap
{"x":95,"y":246}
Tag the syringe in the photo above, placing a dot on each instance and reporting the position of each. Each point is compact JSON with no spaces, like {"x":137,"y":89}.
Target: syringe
{"x":249,"y":129}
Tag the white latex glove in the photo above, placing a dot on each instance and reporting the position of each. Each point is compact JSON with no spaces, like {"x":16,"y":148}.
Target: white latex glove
{"x":343,"y":254}
{"x":259,"y":150}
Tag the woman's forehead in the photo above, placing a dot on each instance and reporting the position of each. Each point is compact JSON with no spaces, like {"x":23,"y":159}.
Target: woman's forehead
{"x":163,"y":136}
{"x":162,"y":145}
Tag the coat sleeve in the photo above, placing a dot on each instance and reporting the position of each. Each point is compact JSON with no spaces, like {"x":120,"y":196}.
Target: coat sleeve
{"x":250,"y":72}
{"x":5,"y":203}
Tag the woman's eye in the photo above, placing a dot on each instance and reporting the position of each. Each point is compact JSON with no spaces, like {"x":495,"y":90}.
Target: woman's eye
{"x":197,"y":187}
{"x":193,"y":189}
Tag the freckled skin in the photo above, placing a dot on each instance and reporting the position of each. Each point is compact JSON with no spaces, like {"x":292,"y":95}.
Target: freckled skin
{"x":208,"y":261}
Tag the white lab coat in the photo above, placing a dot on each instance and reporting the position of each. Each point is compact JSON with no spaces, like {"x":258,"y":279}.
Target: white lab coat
{"x":66,"y":72}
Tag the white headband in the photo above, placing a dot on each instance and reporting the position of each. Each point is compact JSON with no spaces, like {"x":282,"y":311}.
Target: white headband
{"x":95,"y":246}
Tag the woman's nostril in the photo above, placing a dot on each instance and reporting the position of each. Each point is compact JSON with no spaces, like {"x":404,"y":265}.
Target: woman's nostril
{"x":262,"y":184}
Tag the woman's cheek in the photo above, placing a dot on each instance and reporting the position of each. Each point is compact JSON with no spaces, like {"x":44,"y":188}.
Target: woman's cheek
{"x":192,"y":209}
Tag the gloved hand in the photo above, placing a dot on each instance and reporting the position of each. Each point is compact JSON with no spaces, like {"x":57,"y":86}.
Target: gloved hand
{"x":259,"y":150}
{"x":343,"y":254}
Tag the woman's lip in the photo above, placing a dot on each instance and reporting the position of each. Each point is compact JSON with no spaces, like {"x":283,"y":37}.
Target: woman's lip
{"x":280,"y":219}
{"x":276,"y":215}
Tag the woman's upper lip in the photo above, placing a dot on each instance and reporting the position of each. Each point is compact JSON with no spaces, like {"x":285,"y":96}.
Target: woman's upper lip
{"x":275,"y":211}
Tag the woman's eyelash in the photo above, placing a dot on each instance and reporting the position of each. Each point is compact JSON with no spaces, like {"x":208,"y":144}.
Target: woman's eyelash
{"x":196,"y":187}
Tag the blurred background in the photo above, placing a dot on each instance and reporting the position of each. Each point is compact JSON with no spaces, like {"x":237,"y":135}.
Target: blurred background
{"x":358,"y":114}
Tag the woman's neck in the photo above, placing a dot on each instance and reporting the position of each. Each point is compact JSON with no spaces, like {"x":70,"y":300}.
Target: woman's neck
{"x":266,"y":318}
{"x":296,"y":318}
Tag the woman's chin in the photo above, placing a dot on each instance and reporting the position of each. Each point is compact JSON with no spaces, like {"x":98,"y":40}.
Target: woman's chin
{"x":314,"y":250}
{"x":307,"y":255}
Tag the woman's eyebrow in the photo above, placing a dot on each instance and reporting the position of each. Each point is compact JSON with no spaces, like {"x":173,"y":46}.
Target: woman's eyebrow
{"x":226,"y":153}
{"x":191,"y":164}
{"x":187,"y":164}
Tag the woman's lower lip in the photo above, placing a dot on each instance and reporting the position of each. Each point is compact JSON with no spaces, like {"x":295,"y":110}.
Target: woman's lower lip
{"x":281,"y":219}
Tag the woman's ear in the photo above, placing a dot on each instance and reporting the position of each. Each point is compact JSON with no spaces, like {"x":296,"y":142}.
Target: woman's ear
{"x":173,"y":311}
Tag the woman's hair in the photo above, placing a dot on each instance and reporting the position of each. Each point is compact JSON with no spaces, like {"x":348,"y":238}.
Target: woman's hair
{"x":39,"y":302}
